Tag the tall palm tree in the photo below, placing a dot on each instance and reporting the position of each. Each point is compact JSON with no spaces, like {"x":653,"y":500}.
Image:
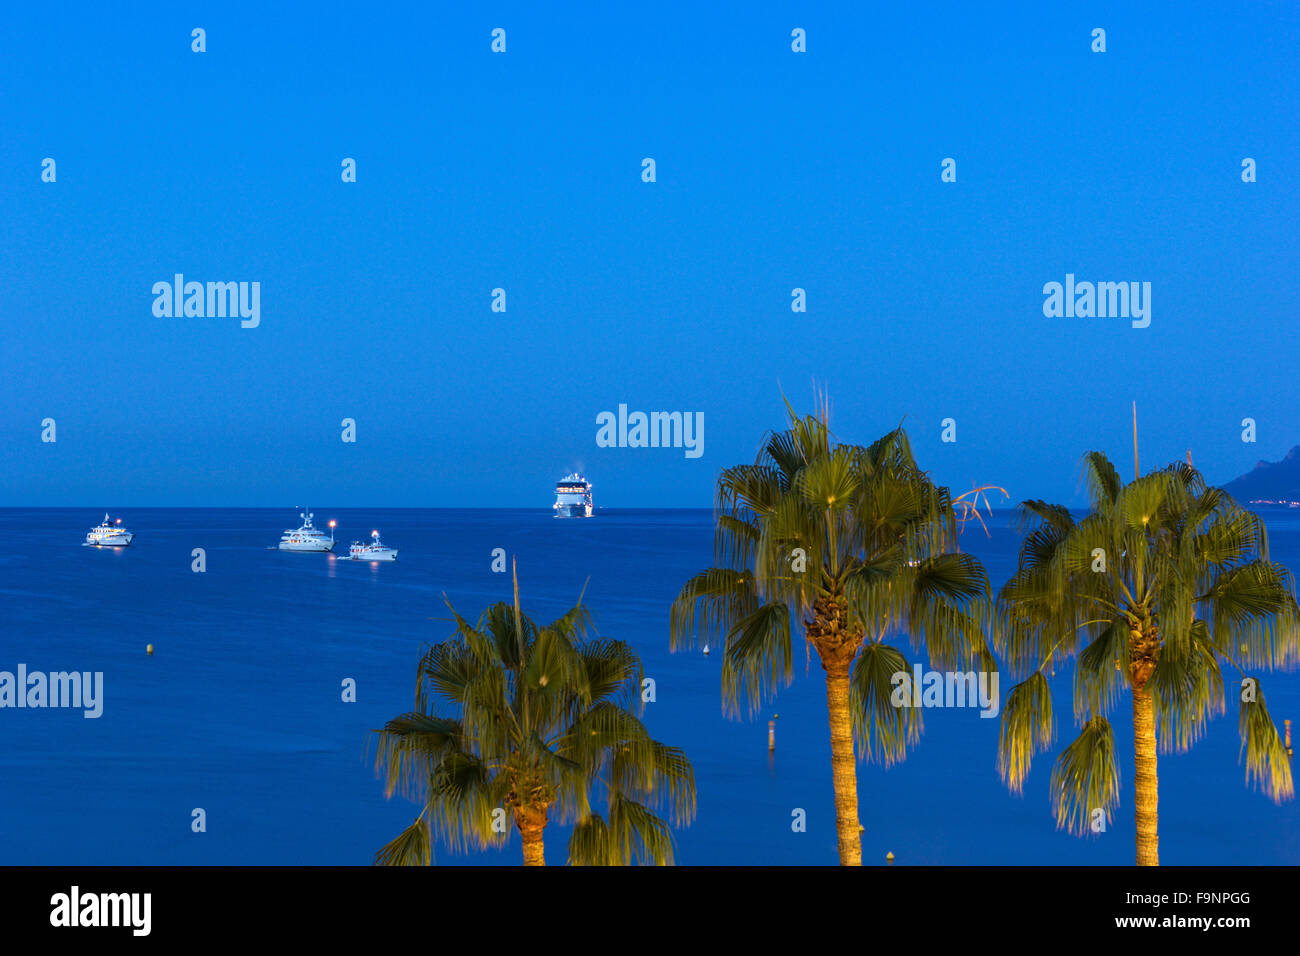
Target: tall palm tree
{"x":516,"y":721}
{"x":857,"y":545}
{"x":1165,"y":580}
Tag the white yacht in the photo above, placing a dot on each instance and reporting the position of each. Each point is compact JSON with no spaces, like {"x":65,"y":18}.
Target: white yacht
{"x":109,"y":535}
{"x":374,"y":551}
{"x":308,"y":537}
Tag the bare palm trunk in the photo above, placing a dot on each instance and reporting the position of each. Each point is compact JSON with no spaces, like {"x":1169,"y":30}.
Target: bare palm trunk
{"x":534,"y":851}
{"x":532,"y":826}
{"x":1146,"y":787}
{"x":843,"y":766}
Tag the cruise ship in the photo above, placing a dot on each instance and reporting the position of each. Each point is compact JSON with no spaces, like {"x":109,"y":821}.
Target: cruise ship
{"x":573,"y":497}
{"x":374,"y":551}
{"x":109,"y":535}
{"x":308,"y":537}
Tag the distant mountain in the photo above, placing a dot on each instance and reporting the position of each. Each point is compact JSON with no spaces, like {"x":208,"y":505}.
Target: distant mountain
{"x":1271,"y":481}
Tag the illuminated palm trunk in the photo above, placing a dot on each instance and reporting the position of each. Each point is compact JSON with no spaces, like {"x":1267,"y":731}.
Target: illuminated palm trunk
{"x":843,"y":766}
{"x":1146,"y":787}
{"x":532,"y":825}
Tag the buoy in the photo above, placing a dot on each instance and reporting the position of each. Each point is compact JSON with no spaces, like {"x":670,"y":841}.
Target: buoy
{"x":889,"y":858}
{"x":149,"y":650}
{"x":771,"y":733}
{"x":1288,"y":737}
{"x":706,"y":650}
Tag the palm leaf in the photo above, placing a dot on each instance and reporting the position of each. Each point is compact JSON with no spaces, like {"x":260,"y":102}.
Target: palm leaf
{"x":411,"y":847}
{"x":1086,"y":778}
{"x":885,"y":723}
{"x":1268,"y":765}
{"x":758,"y":657}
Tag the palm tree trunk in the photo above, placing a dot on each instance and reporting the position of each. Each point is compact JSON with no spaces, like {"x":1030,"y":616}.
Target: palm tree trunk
{"x":843,"y":766}
{"x":1146,"y":787}
{"x":532,"y":826}
{"x":534,"y":850}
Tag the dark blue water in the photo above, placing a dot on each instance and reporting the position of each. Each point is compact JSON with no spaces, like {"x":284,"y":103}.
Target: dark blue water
{"x":239,"y":711}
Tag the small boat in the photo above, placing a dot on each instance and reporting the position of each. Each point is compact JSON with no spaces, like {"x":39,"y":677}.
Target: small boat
{"x":109,"y":535}
{"x":374,"y":551}
{"x":308,"y":537}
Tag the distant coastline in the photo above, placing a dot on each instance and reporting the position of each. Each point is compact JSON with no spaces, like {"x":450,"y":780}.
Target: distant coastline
{"x":1270,"y":484}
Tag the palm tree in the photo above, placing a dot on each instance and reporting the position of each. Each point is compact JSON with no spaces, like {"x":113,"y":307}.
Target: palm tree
{"x":856,"y":544}
{"x":1164,"y":580}
{"x":523,"y":722}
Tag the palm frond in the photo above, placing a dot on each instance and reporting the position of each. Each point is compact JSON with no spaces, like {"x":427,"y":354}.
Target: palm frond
{"x":411,"y":847}
{"x":1188,"y":688}
{"x":1101,"y":478}
{"x":638,"y":835}
{"x":1086,"y":778}
{"x":1267,"y":764}
{"x":885,"y":723}
{"x":591,"y":843}
{"x":758,"y":658}
{"x":409,"y":746}
{"x":1098,"y":677}
{"x":1027,"y":728}
{"x":709,"y":605}
{"x":948,"y":612}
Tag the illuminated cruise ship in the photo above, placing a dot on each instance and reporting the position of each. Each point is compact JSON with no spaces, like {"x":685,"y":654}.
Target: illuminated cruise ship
{"x":573,"y":497}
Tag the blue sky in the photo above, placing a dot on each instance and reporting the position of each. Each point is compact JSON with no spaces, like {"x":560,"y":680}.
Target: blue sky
{"x":522,"y":171}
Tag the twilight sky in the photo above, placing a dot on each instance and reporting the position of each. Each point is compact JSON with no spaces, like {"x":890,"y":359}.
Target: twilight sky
{"x":523,"y":171}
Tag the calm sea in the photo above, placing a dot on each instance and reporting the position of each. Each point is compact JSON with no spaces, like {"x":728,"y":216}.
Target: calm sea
{"x":239,"y":710}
